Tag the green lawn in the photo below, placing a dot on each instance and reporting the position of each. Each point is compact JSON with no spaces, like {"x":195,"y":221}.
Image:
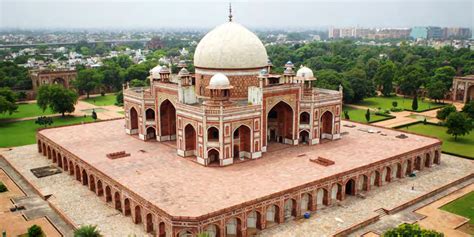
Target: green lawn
{"x":358,"y":115}
{"x":108,"y":99}
{"x":463,"y":146}
{"x":25,"y":111}
{"x":24,"y":132}
{"x":404,"y":103}
{"x":463,"y":206}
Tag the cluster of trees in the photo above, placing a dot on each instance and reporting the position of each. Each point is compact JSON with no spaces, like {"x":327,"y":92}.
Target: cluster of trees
{"x":14,"y":76}
{"x":362,"y":69}
{"x":458,"y":123}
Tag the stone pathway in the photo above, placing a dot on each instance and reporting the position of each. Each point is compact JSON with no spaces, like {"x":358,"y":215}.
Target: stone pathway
{"x":35,"y":206}
{"x":355,"y":209}
{"x":82,"y":206}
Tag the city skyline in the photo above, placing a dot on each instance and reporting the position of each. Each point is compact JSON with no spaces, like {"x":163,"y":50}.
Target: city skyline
{"x":110,"y":14}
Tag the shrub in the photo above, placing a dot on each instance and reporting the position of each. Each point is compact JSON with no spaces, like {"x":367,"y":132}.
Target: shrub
{"x":411,"y":230}
{"x":35,"y":231}
{"x":346,"y":115}
{"x":444,"y":112}
{"x":394,"y":109}
{"x":3,"y":188}
{"x":87,"y":231}
{"x":119,"y":99}
{"x":469,"y":109}
{"x":394,"y":104}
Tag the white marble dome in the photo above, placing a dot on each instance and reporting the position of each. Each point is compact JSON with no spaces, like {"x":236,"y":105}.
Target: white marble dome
{"x":305,"y":72}
{"x":155,"y":72}
{"x":219,"y":81}
{"x":230,"y":46}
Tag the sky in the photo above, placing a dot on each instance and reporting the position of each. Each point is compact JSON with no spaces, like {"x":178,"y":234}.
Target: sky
{"x":282,"y":14}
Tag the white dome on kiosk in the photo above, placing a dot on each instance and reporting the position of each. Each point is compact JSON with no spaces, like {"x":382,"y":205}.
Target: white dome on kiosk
{"x":305,"y":73}
{"x":230,"y":46}
{"x":219,"y":81}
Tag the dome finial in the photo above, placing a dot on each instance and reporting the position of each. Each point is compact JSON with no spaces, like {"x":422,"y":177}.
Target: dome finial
{"x":230,"y":12}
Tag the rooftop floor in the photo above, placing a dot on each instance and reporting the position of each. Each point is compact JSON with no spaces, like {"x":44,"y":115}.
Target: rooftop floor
{"x":184,"y":188}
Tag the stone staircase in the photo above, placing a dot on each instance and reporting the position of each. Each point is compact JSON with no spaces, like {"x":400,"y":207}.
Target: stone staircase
{"x":381,"y":212}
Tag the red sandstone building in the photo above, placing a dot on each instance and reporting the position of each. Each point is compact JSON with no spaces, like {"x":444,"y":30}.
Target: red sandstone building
{"x":232,"y":149}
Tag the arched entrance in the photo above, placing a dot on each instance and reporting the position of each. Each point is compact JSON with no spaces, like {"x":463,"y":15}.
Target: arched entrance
{"x":189,"y":140}
{"x":290,"y":209}
{"x":336,"y":192}
{"x":408,"y":168}
{"x":363,"y":183}
{"x":304,"y":137}
{"x":108,"y":194}
{"x":138,"y":215}
{"x":272,"y":215}
{"x":161,"y":230}
{"x":280,"y":123}
{"x":149,"y":223}
{"x":85,"y":181}
{"x":436,"y":158}
{"x":60,"y":161}
{"x":185,"y":233}
{"x":427,"y":160}
{"x":322,"y":198}
{"x":78,"y":173}
{"x":254,"y":221}
{"x":133,"y":121}
{"x":375,"y":178}
{"x":306,"y":202}
{"x":233,"y":227}
{"x":65,"y":164}
{"x":350,"y":187}
{"x":150,"y":133}
{"x":126,"y":205}
{"x":59,"y":81}
{"x":386,"y":175}
{"x":418,"y":163}
{"x":54,"y":156}
{"x":326,"y":129}
{"x":242,"y":142}
{"x":304,"y":118}
{"x":470,"y":94}
{"x":92,"y":183}
{"x":167,"y":121}
{"x":213,"y":156}
{"x":212,"y":230}
{"x":71,"y":168}
{"x":100,"y":189}
{"x":118,"y":202}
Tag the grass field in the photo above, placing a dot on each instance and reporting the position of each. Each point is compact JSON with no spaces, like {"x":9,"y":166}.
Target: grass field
{"x":25,"y":111}
{"x":23,"y":132}
{"x":463,"y":206}
{"x":102,"y":100}
{"x":404,"y":103}
{"x":358,"y":115}
{"x":463,"y":146}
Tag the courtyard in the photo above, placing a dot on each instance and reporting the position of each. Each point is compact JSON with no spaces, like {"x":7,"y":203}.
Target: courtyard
{"x":385,"y":103}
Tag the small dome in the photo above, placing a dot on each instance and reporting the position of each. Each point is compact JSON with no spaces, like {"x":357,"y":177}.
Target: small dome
{"x":230,"y":46}
{"x":155,"y":72}
{"x":289,"y":64}
{"x":289,"y":71}
{"x":219,"y":81}
{"x":305,"y":73}
{"x":183,"y":72}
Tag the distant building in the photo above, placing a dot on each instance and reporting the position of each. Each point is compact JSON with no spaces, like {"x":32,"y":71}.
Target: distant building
{"x":419,"y":32}
{"x":435,"y":32}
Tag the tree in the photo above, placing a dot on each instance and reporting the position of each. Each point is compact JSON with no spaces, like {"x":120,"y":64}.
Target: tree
{"x":445,"y":75}
{"x":137,"y":83}
{"x":87,"y":231}
{"x":469,"y":109}
{"x":119,"y":99}
{"x":409,"y":230}
{"x":413,"y":76}
{"x":436,"y":90}
{"x":44,"y":121}
{"x":7,"y":101}
{"x":94,"y":114}
{"x":35,"y":231}
{"x":57,"y":98}
{"x":367,"y":115}
{"x":445,"y":111}
{"x":88,"y":80}
{"x":361,"y":86}
{"x":414,"y":103}
{"x":458,"y":124}
{"x":384,"y":77}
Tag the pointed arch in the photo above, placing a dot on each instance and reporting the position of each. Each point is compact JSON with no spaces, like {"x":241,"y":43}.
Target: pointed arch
{"x":254,"y":222}
{"x":272,"y":215}
{"x":233,"y":227}
{"x":138,"y":215}
{"x":118,"y":202}
{"x":126,"y":204}
{"x":190,"y":140}
{"x":167,"y":120}
{"x":350,"y":187}
{"x":280,"y":120}
{"x":133,"y":118}
{"x":213,"y":156}
{"x":92,"y":183}
{"x":242,"y":141}
{"x":290,"y":209}
{"x":304,"y":118}
{"x":326,"y":125}
{"x":322,"y":197}
{"x":100,"y":189}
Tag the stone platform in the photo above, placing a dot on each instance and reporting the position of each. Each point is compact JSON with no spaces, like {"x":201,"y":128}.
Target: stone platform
{"x":174,"y":194}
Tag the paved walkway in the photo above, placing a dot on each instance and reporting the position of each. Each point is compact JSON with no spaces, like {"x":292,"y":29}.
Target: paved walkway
{"x":355,"y":209}
{"x":82,"y":206}
{"x":36,"y":207}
